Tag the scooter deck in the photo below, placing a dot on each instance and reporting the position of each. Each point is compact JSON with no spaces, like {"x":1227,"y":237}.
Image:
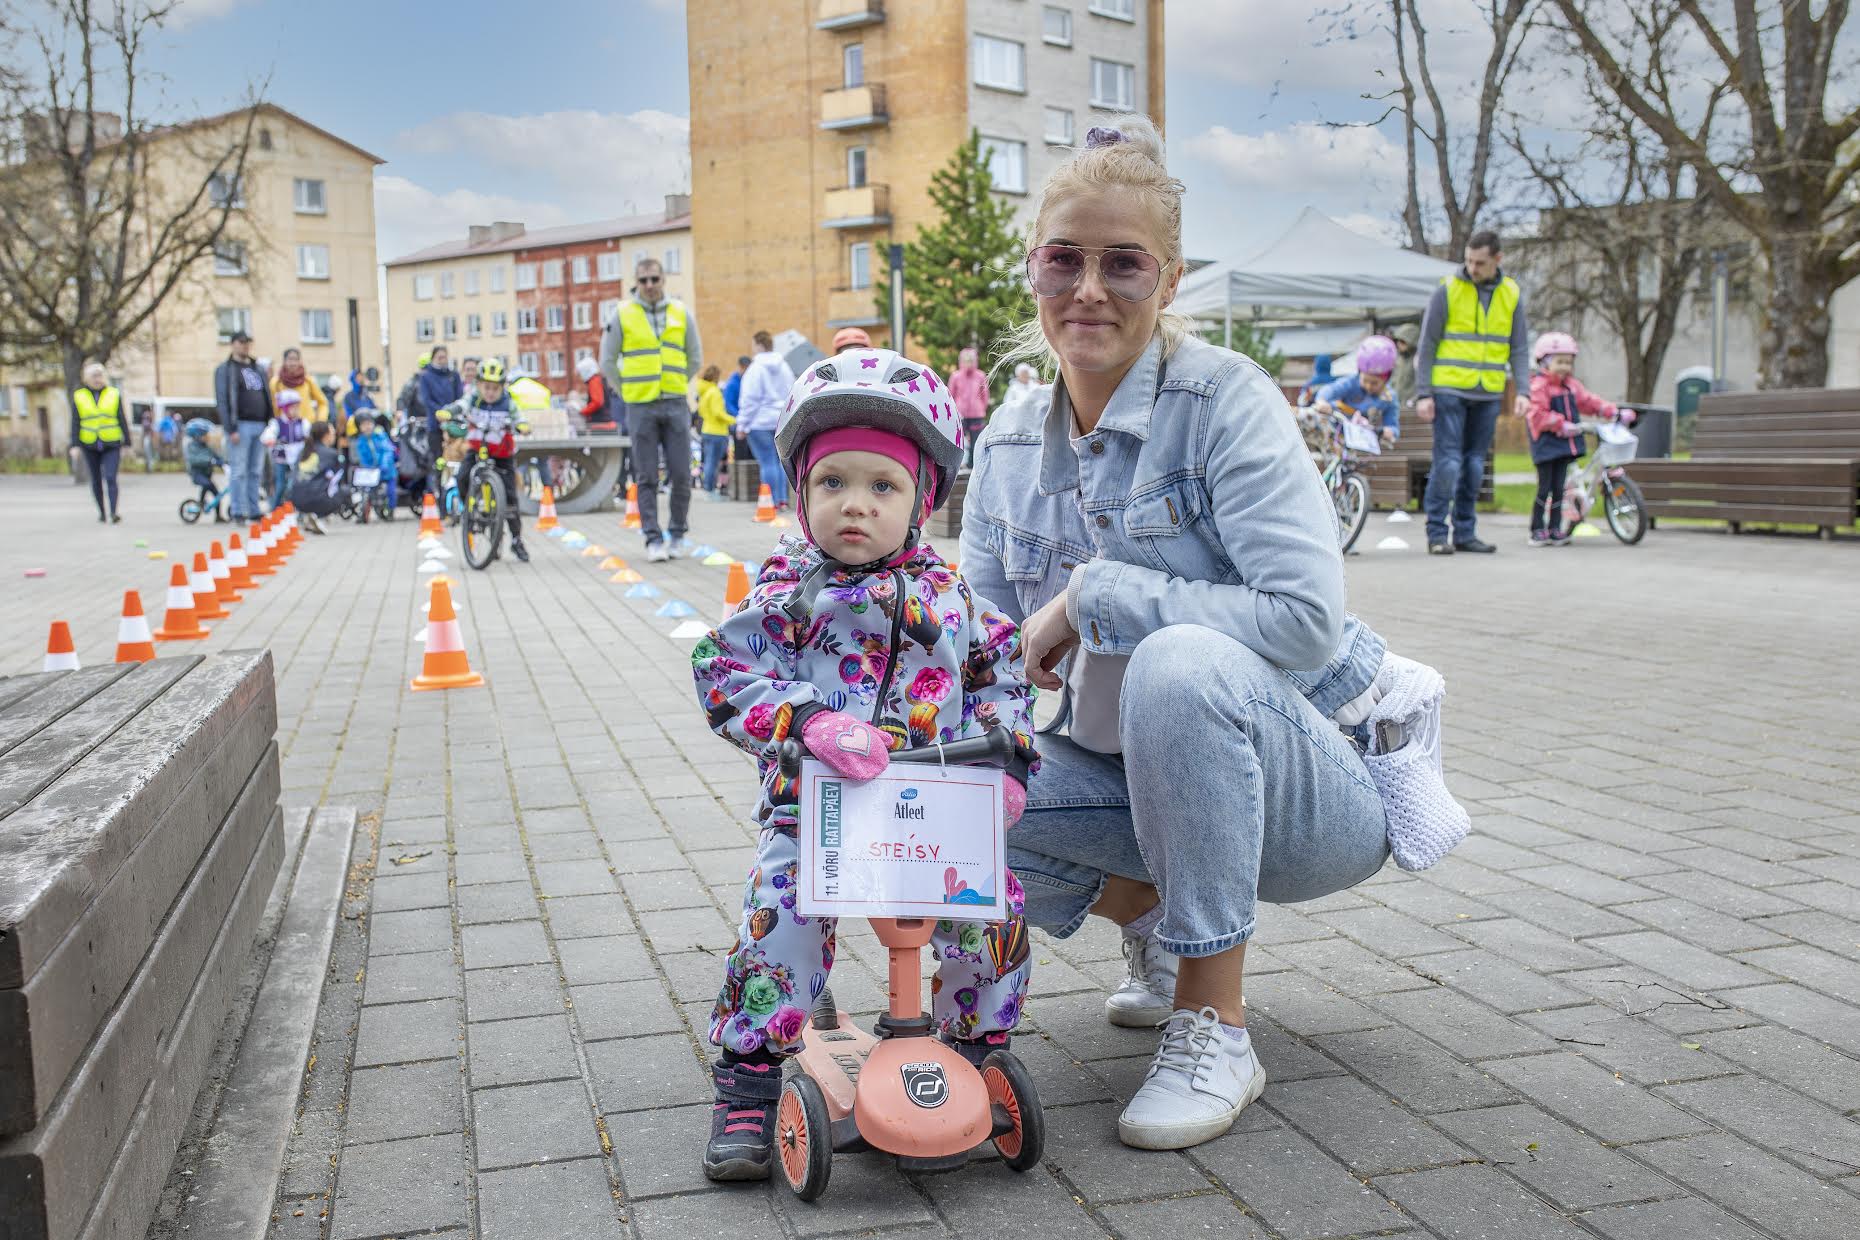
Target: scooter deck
{"x":834,"y":1058}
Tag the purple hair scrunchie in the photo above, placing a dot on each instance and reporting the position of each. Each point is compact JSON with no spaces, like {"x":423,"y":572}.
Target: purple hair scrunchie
{"x":1103,"y":135}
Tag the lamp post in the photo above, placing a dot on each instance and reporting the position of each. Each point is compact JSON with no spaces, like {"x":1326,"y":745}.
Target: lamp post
{"x":897,"y":297}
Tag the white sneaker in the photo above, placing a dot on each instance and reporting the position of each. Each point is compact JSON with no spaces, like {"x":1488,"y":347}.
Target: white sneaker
{"x":1425,"y":823}
{"x":657,"y":553}
{"x":1147,"y":994}
{"x":676,"y":547}
{"x":1198,"y":1084}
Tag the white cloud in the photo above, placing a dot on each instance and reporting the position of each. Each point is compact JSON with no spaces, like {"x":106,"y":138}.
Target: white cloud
{"x":1264,"y":43}
{"x":1385,"y":228}
{"x":409,"y":217}
{"x":1305,"y":157}
{"x":187,"y":12}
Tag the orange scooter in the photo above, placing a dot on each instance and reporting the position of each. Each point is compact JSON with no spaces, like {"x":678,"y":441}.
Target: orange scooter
{"x":901,"y":1089}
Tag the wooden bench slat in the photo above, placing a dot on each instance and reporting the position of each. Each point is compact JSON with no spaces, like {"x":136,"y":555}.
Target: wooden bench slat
{"x":54,"y":695}
{"x":1788,"y":400}
{"x":35,"y":762}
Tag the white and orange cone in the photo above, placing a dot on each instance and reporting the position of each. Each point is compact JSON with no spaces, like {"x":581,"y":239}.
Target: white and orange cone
{"x":60,"y":654}
{"x":735,"y":589}
{"x":429,"y":518}
{"x":134,"y":642}
{"x":221,"y":572}
{"x":239,"y":565}
{"x":445,"y":665}
{"x":293,"y":536}
{"x":258,"y":560}
{"x":632,"y":506}
{"x":545,"y":517}
{"x":180,"y":624}
{"x":765,"y":504}
{"x":206,"y":591}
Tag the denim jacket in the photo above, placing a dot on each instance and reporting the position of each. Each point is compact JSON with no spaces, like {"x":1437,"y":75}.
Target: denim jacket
{"x":1192,"y":502}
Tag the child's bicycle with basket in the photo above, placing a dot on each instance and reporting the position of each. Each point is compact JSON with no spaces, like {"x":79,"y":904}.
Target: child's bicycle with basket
{"x":1604,"y":474}
{"x":1348,"y":489}
{"x":364,"y":495}
{"x":901,"y":1089}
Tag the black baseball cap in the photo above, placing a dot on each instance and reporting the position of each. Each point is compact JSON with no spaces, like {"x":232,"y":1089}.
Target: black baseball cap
{"x":242,"y":338}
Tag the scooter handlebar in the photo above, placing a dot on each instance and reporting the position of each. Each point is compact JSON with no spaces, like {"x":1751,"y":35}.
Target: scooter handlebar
{"x":994,"y":747}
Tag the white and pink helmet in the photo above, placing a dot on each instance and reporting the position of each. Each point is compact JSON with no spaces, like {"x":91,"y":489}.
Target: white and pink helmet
{"x":1550,"y":344}
{"x":881,"y":390}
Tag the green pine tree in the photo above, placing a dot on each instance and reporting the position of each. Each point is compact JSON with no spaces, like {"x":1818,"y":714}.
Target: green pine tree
{"x":962,"y":281}
{"x":1251,"y":339}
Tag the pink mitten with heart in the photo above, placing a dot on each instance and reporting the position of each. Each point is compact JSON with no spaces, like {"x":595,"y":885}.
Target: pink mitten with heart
{"x":850,"y":746}
{"x":1013,"y":800}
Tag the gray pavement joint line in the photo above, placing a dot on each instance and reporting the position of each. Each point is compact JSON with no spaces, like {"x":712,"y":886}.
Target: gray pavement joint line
{"x":237,"y":1187}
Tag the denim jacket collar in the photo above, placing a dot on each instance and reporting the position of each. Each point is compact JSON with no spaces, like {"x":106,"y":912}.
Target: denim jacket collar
{"x":1128,"y":413}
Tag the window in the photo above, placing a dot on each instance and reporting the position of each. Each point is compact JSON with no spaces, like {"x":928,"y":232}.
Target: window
{"x":500,"y":323}
{"x":1007,"y":164}
{"x":422,"y":288}
{"x":526,"y":361}
{"x":228,"y":258}
{"x":860,"y":263}
{"x":234,"y":319}
{"x":609,"y":266}
{"x":640,"y":256}
{"x":1000,"y":63}
{"x":1057,"y":26}
{"x":852,"y":65}
{"x":497,"y":279}
{"x":313,"y":263}
{"x":578,"y":270}
{"x":315,"y":326}
{"x":673,"y":263}
{"x":226,"y":191}
{"x":471,"y":282}
{"x":554,"y":318}
{"x":607,"y":310}
{"x":552,"y":273}
{"x":307,"y":197}
{"x":584,"y":316}
{"x":423,"y":330}
{"x":582,"y":353}
{"x":1123,"y":10}
{"x":474,"y":325}
{"x":526,"y":277}
{"x":448,"y":283}
{"x":557,"y":365}
{"x":264,"y":139}
{"x":1113,"y":85}
{"x":451,"y":325}
{"x":855,"y":167}
{"x":1059,"y":126}
{"x":526,"y":320}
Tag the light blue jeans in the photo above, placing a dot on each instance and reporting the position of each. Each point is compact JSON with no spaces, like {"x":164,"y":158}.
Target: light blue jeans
{"x":1232,"y":789}
{"x":245,"y":465}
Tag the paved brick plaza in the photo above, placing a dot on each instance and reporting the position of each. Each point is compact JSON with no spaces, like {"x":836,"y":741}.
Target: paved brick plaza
{"x":1628,"y":1007}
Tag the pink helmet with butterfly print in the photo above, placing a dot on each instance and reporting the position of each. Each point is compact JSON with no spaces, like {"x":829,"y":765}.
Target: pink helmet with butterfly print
{"x":880,"y":390}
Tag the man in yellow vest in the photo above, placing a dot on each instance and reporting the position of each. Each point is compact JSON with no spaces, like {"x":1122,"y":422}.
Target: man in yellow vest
{"x":100,"y":428}
{"x":1473,"y":337}
{"x":649,"y":350}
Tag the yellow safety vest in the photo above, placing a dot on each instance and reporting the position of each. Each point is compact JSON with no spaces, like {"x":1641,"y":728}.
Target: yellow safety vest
{"x":527,"y":395}
{"x":1475,"y":348}
{"x":97,"y":420}
{"x":651,"y":366}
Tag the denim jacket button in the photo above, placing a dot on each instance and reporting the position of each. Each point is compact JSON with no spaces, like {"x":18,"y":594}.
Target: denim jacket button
{"x":1103,"y":521}
{"x":1097,"y":447}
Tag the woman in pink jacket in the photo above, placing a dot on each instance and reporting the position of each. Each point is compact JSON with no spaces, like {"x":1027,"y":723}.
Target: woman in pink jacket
{"x":1558,"y":404}
{"x":968,"y":387}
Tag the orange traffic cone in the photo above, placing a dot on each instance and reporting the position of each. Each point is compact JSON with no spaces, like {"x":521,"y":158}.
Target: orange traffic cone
{"x":429,"y":518}
{"x":60,"y":654}
{"x":221,"y":572}
{"x":545,"y":518}
{"x":134,"y":644}
{"x":240,"y":565}
{"x":206,"y":593}
{"x":259,"y":561}
{"x":445,"y":665}
{"x":735,"y":589}
{"x":632,"y":506}
{"x":765,"y":504}
{"x":180,"y":624}
{"x":292,"y":535}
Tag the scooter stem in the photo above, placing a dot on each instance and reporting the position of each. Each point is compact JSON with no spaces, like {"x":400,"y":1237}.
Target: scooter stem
{"x":904,"y":938}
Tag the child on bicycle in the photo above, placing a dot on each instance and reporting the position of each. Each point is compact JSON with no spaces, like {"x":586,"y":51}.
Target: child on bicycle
{"x":492,"y":422}
{"x":859,"y":639}
{"x":1558,"y":403}
{"x":1364,"y":397}
{"x":374,"y":450}
{"x":201,"y":460}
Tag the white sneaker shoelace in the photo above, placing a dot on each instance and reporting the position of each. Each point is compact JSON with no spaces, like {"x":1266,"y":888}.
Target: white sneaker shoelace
{"x":1191,"y":1047}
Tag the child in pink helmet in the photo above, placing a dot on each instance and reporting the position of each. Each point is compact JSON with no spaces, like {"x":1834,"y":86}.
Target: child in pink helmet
{"x":1558,"y":404}
{"x":860,"y":639}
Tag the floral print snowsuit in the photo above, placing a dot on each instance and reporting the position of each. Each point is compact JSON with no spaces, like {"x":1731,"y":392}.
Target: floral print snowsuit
{"x":947,"y":666}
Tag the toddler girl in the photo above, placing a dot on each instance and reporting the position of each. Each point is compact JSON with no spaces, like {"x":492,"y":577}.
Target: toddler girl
{"x":1557,"y":405}
{"x":859,"y":639}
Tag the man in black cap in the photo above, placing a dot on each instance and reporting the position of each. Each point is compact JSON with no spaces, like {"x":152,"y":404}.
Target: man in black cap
{"x":243,"y":401}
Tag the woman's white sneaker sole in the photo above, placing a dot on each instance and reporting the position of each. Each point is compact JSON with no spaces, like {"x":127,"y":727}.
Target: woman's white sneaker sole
{"x":1135,"y":1015}
{"x":1180,"y":1136}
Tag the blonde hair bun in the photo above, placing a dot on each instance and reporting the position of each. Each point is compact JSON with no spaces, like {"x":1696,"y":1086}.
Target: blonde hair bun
{"x":1133,"y":132}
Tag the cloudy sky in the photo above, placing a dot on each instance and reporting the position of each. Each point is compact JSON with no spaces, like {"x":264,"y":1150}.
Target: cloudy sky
{"x":582,"y":112}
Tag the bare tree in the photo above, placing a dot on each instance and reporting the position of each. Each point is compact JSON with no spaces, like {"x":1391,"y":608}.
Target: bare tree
{"x":1790,"y":178}
{"x":92,"y":237}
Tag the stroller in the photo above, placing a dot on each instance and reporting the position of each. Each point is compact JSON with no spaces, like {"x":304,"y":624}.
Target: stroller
{"x":414,"y":462}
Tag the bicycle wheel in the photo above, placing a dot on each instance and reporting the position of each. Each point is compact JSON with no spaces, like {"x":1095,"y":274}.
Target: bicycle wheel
{"x":482,"y":525}
{"x":1625,"y":509}
{"x":1351,"y":496}
{"x":190,"y":510}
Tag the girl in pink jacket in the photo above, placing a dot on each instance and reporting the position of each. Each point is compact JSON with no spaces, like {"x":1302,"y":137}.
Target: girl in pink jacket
{"x":1558,"y":404}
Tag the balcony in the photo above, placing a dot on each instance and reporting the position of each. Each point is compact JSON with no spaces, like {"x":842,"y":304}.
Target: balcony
{"x":847,"y":14}
{"x":853,"y":107}
{"x":864,"y":206}
{"x":853,"y":307}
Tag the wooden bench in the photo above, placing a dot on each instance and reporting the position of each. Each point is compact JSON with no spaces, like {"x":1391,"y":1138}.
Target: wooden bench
{"x":1786,"y":458}
{"x":1398,"y":477}
{"x":139,"y":838}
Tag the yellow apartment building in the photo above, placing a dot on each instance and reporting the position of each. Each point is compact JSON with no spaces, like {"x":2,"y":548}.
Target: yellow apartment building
{"x":297,"y":269}
{"x":816,"y":126}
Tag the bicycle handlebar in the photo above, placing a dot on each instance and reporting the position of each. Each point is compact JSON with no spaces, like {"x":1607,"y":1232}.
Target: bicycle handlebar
{"x":993,"y":748}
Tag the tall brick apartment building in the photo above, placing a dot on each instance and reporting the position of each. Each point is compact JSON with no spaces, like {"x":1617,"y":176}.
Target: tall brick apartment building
{"x":816,"y":126}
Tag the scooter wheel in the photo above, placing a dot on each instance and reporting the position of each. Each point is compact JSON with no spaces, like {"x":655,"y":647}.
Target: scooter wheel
{"x":1010,"y":1087}
{"x":804,"y":1137}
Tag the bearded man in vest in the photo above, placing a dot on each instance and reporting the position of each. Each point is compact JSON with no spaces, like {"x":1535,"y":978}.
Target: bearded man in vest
{"x":1473,"y":337}
{"x":100,"y":428}
{"x":649,"y":350}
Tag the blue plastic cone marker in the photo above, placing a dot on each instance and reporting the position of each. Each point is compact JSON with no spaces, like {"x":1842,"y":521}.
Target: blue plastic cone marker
{"x":717,"y":559}
{"x":703,"y":550}
{"x":557,"y":532}
{"x":644,"y":589}
{"x":677,"y":609}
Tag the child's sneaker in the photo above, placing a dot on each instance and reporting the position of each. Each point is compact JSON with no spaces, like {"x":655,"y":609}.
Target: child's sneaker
{"x":1147,"y":995}
{"x":1425,"y":823}
{"x":1560,"y":539}
{"x":742,"y":1122}
{"x":977,"y":1049}
{"x":1541,"y":538}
